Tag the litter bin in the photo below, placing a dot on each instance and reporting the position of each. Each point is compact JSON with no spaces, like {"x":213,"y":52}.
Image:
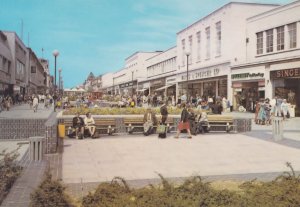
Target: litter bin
{"x":61,"y":130}
{"x":277,"y":126}
{"x":36,"y":148}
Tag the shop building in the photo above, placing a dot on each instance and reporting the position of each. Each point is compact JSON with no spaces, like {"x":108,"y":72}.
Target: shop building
{"x":19,"y":63}
{"x":273,"y":48}
{"x":161,"y":74}
{"x":207,"y":49}
{"x":6,"y":82}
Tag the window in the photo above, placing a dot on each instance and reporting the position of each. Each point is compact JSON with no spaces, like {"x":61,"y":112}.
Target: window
{"x":33,"y":69}
{"x":218,"y":38}
{"x":269,"y":43}
{"x":280,"y":38}
{"x":292,"y":35}
{"x":20,"y":70}
{"x":207,"y":32}
{"x":191,"y":48}
{"x":183,"y":50}
{"x":198,"y":46}
{"x":259,"y":43}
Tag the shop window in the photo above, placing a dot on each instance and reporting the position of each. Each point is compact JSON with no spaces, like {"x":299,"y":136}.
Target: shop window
{"x":292,"y":35}
{"x":269,"y":44}
{"x":280,"y":38}
{"x":259,"y":43}
{"x":33,"y":69}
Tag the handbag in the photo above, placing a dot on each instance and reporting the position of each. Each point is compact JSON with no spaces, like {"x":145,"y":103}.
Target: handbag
{"x":161,"y":129}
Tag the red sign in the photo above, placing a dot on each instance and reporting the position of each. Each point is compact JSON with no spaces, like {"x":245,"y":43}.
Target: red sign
{"x":288,"y":73}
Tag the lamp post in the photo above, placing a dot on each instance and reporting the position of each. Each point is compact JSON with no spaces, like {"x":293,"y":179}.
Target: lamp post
{"x":55,"y":54}
{"x":187,"y":76}
{"x":132,"y":83}
{"x":59,"y":79}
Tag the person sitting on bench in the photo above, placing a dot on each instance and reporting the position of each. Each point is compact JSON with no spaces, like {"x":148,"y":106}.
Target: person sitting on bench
{"x":149,"y":121}
{"x":78,"y":125}
{"x":89,"y":124}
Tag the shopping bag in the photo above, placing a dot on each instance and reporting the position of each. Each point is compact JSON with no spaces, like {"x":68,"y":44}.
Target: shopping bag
{"x":161,"y":128}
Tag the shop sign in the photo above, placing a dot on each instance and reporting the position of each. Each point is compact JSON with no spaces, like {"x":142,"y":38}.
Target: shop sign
{"x":146,"y":85}
{"x":236,"y":84}
{"x":201,"y":74}
{"x":157,"y":82}
{"x":124,"y":85}
{"x":247,"y":76}
{"x":16,"y":88}
{"x":288,"y":73}
{"x":171,"y":80}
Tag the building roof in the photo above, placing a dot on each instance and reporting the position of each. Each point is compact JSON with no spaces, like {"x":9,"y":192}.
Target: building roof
{"x":230,"y":3}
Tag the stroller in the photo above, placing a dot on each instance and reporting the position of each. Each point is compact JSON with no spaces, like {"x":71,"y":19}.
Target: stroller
{"x":202,"y":124}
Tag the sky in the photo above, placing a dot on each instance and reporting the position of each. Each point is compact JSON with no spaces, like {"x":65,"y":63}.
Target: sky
{"x":98,"y":35}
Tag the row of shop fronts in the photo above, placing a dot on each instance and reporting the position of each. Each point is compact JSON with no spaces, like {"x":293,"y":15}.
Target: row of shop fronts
{"x":240,"y":87}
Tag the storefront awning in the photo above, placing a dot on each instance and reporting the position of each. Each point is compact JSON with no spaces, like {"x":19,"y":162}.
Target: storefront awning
{"x":164,"y":87}
{"x":142,"y":90}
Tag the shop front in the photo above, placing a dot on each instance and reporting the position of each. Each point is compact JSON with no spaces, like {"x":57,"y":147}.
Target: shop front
{"x":128,"y":89}
{"x":6,"y":89}
{"x":248,"y":87}
{"x":157,"y":85}
{"x":286,"y":85}
{"x":206,"y":82}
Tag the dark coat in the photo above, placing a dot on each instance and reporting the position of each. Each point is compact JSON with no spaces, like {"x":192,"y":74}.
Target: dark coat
{"x":78,"y":122}
{"x":184,"y":115}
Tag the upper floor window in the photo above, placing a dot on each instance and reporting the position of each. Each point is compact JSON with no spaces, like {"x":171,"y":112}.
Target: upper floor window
{"x":292,"y":29}
{"x":198,"y":46}
{"x":259,"y":43}
{"x":269,"y":45}
{"x":207,"y":32}
{"x":280,"y":38}
{"x":218,"y":38}
{"x":191,"y":48}
{"x":183,"y":50}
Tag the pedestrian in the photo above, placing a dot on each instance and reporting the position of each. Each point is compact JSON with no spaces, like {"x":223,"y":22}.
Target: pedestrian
{"x":268,"y":108}
{"x":184,"y":122}
{"x":285,"y":109}
{"x":162,"y":128}
{"x":35,"y":103}
{"x":149,"y":121}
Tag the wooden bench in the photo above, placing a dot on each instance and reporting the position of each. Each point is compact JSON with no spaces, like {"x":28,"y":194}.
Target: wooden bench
{"x":220,"y":123}
{"x":106,"y":125}
{"x":132,"y":123}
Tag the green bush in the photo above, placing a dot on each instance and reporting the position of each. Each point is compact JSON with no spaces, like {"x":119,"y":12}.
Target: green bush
{"x":281,"y":192}
{"x":50,"y":193}
{"x":9,"y":172}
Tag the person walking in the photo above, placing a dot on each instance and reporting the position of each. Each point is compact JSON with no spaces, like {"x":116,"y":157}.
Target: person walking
{"x":284,"y":109}
{"x":35,"y":104}
{"x":184,"y":122}
{"x":162,"y":127}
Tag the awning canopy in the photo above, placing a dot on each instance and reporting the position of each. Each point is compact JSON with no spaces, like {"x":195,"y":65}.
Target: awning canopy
{"x":142,"y":90}
{"x":164,"y":87}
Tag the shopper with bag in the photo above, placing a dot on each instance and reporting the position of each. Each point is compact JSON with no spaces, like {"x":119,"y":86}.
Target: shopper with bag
{"x":184,"y":122}
{"x":162,"y":128}
{"x":149,"y":121}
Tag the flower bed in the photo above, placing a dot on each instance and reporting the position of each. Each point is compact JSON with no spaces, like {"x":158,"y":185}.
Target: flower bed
{"x":9,"y":172}
{"x":117,"y":111}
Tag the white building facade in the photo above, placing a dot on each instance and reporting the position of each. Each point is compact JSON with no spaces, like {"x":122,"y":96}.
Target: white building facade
{"x":210,"y":46}
{"x":272,"y":64}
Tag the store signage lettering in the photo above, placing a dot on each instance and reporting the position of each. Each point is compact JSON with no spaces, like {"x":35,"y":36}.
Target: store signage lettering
{"x":171,"y":80}
{"x":202,"y":74}
{"x":285,"y":73}
{"x":126,"y":85}
{"x":247,"y":75}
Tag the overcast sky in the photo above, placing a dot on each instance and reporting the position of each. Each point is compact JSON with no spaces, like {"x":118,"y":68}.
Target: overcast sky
{"x":97,"y":35}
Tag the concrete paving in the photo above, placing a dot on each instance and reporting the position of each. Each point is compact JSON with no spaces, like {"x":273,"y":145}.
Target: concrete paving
{"x":137,"y":157}
{"x":21,"y":147}
{"x":24,"y":112}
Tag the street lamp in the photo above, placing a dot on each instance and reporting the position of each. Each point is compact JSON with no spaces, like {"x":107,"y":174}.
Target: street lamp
{"x":187,"y":75}
{"x":132,"y":83}
{"x":59,"y":79}
{"x":55,"y":54}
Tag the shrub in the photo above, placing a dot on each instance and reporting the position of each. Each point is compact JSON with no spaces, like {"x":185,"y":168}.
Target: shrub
{"x":9,"y":172}
{"x":50,"y":193}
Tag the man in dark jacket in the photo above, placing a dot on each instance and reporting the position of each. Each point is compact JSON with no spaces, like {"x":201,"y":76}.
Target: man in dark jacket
{"x":78,"y":125}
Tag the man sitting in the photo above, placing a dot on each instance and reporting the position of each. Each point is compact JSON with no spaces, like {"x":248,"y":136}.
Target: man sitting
{"x":149,"y":121}
{"x":89,"y":124}
{"x":78,"y":125}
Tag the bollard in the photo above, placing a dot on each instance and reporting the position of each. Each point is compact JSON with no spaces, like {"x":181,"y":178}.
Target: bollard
{"x":36,"y":148}
{"x":277,"y":128}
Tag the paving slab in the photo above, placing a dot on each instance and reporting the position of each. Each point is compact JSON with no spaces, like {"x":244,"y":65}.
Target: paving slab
{"x":138,"y":158}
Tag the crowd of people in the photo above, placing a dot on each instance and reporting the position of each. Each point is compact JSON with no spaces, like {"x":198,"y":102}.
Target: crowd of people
{"x":265,"y":109}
